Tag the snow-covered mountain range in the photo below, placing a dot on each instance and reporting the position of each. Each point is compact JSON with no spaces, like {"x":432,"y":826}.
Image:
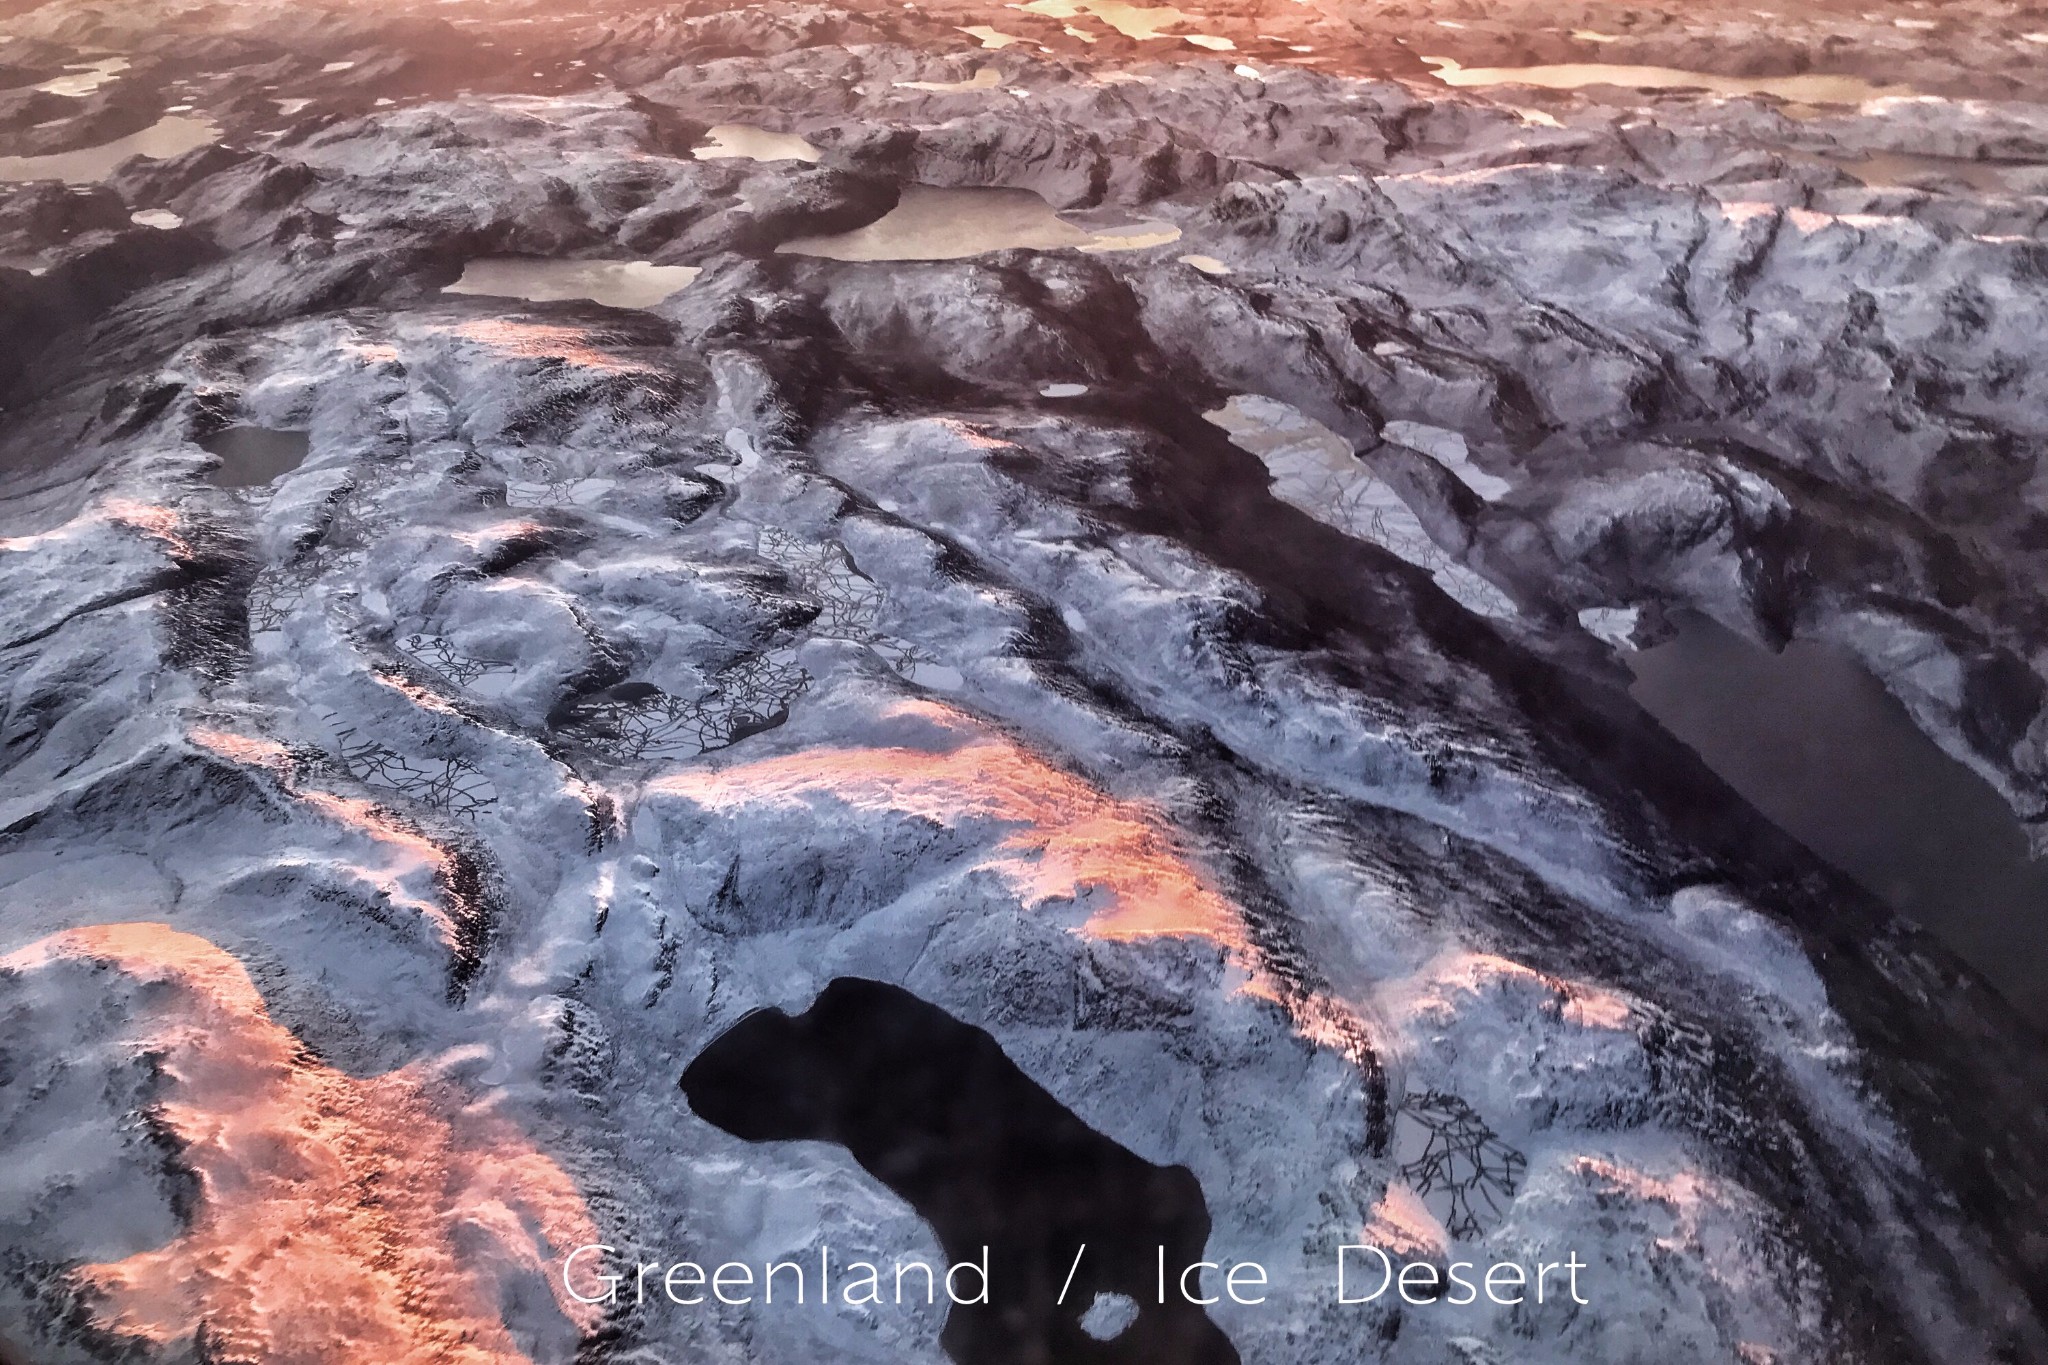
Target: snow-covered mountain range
{"x":1171,"y":616}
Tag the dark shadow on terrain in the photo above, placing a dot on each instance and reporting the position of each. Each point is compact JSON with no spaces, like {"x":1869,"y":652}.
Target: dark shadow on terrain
{"x":934,"y":1110}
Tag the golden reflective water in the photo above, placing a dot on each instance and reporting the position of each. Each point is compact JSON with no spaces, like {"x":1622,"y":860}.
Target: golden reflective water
{"x":1810,"y":88}
{"x":934,"y":224}
{"x":168,"y":137}
{"x":745,"y":141}
{"x":1905,"y":170}
{"x":993,"y":39}
{"x":616,"y":284}
{"x":83,"y":80}
{"x":1133,"y":21}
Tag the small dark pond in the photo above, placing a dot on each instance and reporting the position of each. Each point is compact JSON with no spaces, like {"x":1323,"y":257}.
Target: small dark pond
{"x":933,"y":1109}
{"x":253,"y":456}
{"x":1815,"y":742}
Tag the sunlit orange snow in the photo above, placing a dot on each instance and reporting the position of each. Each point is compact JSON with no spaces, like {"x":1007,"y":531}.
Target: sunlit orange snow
{"x":243,"y":749}
{"x":152,"y":520}
{"x":516,"y":340}
{"x":1068,"y":838}
{"x":340,"y":1220}
{"x":408,"y":852}
{"x":1457,"y":977}
{"x":410,"y":849}
{"x":159,"y":523}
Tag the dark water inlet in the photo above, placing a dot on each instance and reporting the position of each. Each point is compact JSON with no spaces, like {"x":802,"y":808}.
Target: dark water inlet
{"x":933,"y":1109}
{"x":253,"y":456}
{"x":1815,"y":742}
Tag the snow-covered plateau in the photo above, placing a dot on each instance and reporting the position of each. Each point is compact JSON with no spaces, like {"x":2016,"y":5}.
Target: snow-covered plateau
{"x":531,"y":532}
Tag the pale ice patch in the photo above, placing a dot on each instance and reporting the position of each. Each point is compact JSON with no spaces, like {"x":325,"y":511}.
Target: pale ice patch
{"x":1109,"y":1316}
{"x":83,"y":80}
{"x":1316,"y":470}
{"x":742,"y":446}
{"x":616,"y":284}
{"x":1136,"y":237}
{"x":1208,"y":265}
{"x":162,"y":219}
{"x":993,"y":39}
{"x":1448,"y":449}
{"x":744,"y":141}
{"x":1807,"y":88}
{"x":1615,"y":625}
{"x":1063,"y":390}
{"x":1133,"y":21}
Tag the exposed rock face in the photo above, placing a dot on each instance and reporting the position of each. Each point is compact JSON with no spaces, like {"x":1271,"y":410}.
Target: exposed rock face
{"x":1204,"y":677}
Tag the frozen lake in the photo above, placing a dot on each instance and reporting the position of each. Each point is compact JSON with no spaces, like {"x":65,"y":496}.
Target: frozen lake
{"x":616,"y":284}
{"x":171,"y":136}
{"x":253,"y":456}
{"x":934,"y":224}
{"x":1803,"y":89}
